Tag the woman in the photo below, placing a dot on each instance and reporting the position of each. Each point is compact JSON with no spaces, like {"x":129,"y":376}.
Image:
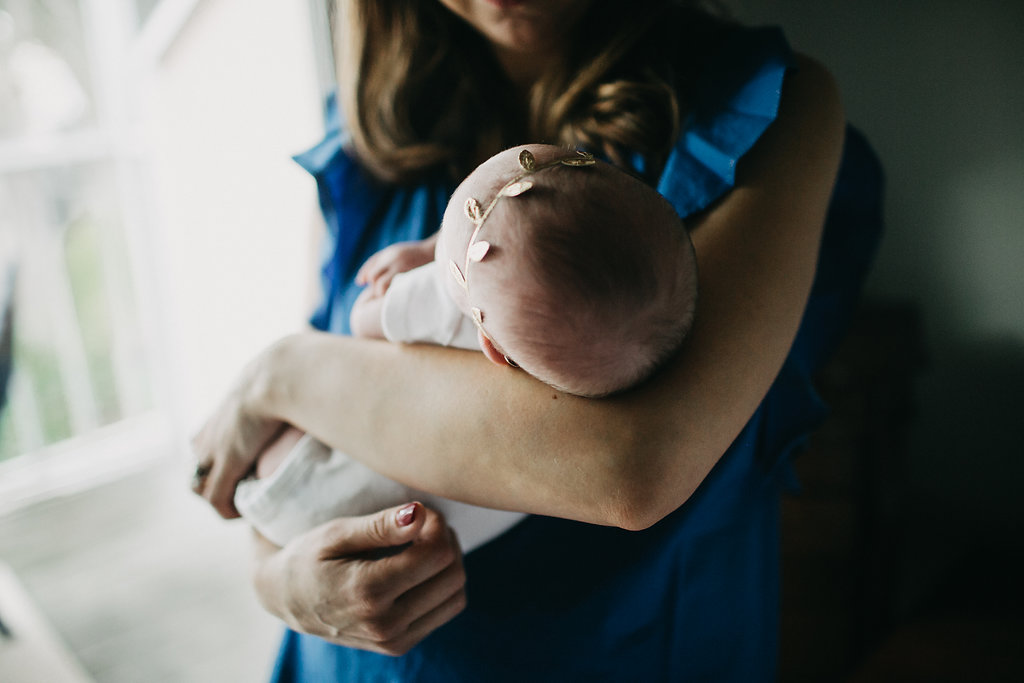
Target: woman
{"x":656,"y":555}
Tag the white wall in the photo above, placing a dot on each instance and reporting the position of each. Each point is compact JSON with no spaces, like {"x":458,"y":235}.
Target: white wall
{"x":938,"y":87}
{"x":233,"y":98}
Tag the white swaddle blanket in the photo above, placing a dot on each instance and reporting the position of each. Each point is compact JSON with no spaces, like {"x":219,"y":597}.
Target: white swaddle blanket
{"x":315,"y":484}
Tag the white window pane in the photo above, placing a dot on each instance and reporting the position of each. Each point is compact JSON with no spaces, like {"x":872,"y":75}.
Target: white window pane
{"x":78,"y":354}
{"x":144,"y":8}
{"x":45,"y":84}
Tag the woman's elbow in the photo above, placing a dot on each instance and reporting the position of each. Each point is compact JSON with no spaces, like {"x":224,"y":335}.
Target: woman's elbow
{"x":643,"y":493}
{"x":643,"y":509}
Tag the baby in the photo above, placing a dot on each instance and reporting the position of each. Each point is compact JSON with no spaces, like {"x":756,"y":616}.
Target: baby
{"x":546,"y":260}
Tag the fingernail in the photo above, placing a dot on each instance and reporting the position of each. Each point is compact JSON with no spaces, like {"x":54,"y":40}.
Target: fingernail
{"x":407,"y":515}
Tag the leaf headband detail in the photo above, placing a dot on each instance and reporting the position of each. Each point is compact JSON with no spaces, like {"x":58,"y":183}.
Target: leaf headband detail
{"x":477,"y":248}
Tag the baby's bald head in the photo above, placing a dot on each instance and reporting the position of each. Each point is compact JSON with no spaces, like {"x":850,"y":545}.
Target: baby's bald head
{"x":589,"y":283}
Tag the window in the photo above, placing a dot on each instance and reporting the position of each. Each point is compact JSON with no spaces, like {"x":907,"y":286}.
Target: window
{"x":105,"y":203}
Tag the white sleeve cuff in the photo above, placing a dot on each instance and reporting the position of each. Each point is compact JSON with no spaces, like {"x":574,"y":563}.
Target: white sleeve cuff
{"x":417,"y":310}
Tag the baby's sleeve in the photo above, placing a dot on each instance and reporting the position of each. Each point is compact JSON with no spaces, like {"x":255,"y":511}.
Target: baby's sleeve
{"x":417,"y":310}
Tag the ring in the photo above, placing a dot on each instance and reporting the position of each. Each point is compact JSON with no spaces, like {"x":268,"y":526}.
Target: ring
{"x":199,"y":476}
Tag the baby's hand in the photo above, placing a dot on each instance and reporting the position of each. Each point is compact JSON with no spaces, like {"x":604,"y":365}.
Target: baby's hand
{"x":400,"y":257}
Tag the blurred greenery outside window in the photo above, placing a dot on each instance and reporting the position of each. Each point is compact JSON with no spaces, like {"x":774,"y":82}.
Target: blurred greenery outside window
{"x":66,"y":215}
{"x":78,"y":355}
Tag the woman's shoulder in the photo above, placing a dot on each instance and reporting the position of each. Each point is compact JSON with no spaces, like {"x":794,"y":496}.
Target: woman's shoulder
{"x":744,"y":74}
{"x":731,"y":103}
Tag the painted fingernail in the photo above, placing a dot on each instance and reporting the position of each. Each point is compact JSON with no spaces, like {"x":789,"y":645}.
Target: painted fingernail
{"x":407,"y":515}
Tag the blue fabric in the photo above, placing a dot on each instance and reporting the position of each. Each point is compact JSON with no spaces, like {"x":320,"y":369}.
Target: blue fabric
{"x":734,"y":102}
{"x":694,"y":598}
{"x":363,"y":216}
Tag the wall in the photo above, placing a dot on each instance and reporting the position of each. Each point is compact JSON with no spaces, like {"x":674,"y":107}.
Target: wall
{"x":232,"y":99}
{"x":938,"y":87}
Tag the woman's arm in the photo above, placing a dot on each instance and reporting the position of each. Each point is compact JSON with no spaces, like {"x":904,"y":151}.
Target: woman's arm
{"x":451,"y":423}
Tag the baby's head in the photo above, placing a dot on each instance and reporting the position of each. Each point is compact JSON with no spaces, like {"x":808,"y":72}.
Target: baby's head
{"x":578,"y":273}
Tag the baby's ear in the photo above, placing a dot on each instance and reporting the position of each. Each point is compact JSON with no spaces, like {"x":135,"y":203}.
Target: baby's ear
{"x":493,"y":354}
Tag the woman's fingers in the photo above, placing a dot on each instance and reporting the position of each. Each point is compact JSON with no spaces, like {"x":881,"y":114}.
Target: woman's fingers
{"x":407,"y":638}
{"x":428,"y":623}
{"x":380,"y":582}
{"x":393,"y":626}
{"x":391,"y":622}
{"x":226,"y":448}
{"x":219,"y":488}
{"x":362,"y":536}
{"x":229,"y":442}
{"x":394,"y":568}
{"x":422,"y":600}
{"x":390,"y":572}
{"x":410,"y":637}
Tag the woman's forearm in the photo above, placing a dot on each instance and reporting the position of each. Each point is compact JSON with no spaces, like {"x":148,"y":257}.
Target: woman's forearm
{"x":452,"y":424}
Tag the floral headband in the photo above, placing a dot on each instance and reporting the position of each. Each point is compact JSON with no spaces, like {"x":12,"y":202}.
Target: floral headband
{"x":477,"y":249}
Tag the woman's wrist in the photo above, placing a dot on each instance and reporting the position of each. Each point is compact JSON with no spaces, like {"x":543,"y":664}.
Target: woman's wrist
{"x":265,"y":573}
{"x":266,"y":390}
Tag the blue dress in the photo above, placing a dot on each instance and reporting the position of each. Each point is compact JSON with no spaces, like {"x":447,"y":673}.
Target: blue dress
{"x":695,"y":597}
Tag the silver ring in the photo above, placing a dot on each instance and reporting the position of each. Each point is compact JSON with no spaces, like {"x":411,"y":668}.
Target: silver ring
{"x":200,"y":475}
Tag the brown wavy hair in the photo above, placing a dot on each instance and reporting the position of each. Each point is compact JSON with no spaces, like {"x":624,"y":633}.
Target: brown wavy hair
{"x":420,"y":89}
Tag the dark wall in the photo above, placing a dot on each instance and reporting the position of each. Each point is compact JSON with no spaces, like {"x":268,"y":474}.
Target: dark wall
{"x":938,"y":87}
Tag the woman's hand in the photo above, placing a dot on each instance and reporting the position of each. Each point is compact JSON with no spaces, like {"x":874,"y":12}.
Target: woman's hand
{"x":227,"y":446}
{"x":381,"y":268}
{"x":380,"y":583}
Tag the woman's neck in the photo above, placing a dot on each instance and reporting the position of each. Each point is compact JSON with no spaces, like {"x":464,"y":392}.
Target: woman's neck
{"x":525,"y":69}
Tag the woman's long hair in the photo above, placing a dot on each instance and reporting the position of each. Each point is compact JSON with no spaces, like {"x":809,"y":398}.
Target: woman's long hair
{"x":420,"y":89}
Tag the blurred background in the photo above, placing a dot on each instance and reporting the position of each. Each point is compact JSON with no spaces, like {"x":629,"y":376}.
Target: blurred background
{"x":155,"y":234}
{"x":938,"y":88}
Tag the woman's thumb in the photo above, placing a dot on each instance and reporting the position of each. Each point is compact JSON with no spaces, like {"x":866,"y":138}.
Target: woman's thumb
{"x":388,"y":528}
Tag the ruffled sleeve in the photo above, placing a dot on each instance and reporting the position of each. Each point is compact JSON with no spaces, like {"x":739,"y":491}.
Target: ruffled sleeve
{"x":735,"y":101}
{"x":348,"y":197}
{"x":319,"y":157}
{"x":362,"y":215}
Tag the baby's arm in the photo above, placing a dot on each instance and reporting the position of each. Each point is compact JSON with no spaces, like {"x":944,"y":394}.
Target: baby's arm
{"x":376,"y":274}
